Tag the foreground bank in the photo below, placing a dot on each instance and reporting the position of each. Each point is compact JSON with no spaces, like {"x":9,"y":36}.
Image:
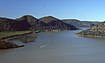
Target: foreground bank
{"x":8,"y":45}
{"x":5,"y":37}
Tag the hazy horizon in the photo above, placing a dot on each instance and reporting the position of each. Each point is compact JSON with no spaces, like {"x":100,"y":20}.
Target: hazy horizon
{"x":84,"y":10}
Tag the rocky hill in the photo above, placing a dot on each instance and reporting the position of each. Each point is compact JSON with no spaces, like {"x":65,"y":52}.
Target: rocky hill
{"x":56,"y":24}
{"x":79,"y":23}
{"x":30,"y":19}
{"x":7,"y":24}
{"x":29,"y":22}
{"x":95,"y":31}
{"x":35,"y":23}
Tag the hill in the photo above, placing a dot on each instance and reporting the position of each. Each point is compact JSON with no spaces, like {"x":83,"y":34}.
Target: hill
{"x":79,"y":23}
{"x":56,"y":24}
{"x":7,"y":24}
{"x":95,"y":31}
{"x":28,"y":22}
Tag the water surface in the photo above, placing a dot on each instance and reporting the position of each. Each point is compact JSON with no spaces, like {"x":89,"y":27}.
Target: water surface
{"x":57,"y":47}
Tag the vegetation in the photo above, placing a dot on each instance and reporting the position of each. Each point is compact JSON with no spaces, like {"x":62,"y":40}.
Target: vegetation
{"x":6,"y":44}
{"x":12,"y":33}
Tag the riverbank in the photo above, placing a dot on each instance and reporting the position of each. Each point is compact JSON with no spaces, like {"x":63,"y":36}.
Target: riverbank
{"x":90,"y":36}
{"x":10,"y":34}
{"x":8,"y":45}
{"x":24,"y":36}
{"x":27,"y":38}
{"x":6,"y":36}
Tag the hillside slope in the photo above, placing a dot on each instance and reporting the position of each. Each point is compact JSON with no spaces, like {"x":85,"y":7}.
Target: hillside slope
{"x":28,"y":22}
{"x":56,"y":24}
{"x":79,"y":23}
{"x":95,"y":31}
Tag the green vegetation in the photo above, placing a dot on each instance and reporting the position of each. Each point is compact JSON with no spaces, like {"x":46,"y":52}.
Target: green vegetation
{"x":12,"y":33}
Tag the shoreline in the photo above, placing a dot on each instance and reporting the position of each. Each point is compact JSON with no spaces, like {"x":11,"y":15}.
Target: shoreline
{"x":20,"y":35}
{"x":15,"y":36}
{"x":9,"y":38}
{"x":7,"y":44}
{"x":91,"y":36}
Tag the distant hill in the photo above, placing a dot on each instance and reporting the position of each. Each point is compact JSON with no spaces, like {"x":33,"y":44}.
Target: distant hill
{"x":56,"y":24}
{"x":28,"y":22}
{"x":79,"y":23}
{"x":95,"y":31}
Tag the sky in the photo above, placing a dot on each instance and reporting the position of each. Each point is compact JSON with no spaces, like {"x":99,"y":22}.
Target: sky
{"x":85,"y":10}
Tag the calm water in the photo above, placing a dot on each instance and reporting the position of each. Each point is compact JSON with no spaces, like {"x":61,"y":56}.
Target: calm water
{"x":57,"y":47}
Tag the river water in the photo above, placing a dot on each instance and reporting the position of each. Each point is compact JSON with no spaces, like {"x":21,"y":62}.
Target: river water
{"x":57,"y":47}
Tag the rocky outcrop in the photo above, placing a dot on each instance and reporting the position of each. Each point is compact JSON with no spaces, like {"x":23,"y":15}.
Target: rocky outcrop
{"x":95,"y":31}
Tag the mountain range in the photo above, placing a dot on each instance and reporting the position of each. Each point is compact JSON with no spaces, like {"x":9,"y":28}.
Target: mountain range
{"x":27,"y":22}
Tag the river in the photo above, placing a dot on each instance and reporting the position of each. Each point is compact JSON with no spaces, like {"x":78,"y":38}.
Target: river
{"x":57,"y":47}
